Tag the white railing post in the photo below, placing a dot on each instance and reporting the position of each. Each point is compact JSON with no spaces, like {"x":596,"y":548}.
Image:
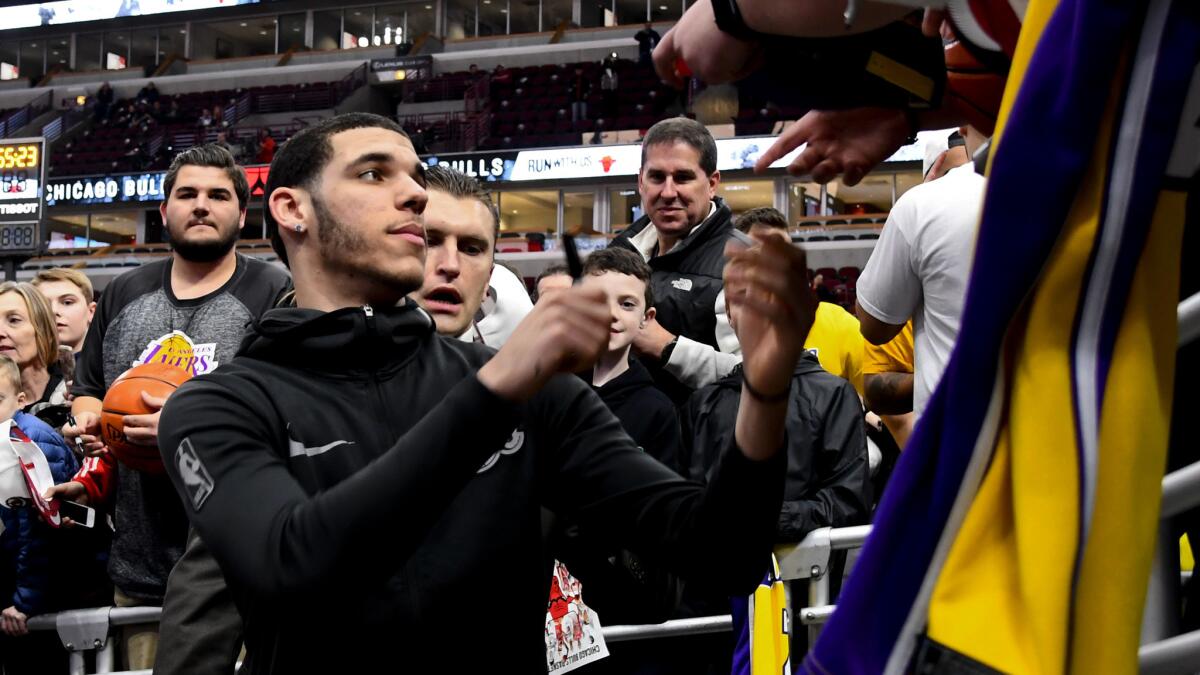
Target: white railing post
{"x":1160,"y":615}
{"x":818,"y":596}
{"x":75,"y":663}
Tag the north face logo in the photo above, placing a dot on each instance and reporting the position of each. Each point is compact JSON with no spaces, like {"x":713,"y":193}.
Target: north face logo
{"x":682,"y":284}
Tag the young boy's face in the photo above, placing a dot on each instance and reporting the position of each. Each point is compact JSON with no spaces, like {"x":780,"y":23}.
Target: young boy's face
{"x":72,"y":312}
{"x":627,"y":303}
{"x":11,"y":400}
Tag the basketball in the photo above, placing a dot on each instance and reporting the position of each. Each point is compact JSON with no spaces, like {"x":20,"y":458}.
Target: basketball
{"x":124,"y":397}
{"x":972,"y":88}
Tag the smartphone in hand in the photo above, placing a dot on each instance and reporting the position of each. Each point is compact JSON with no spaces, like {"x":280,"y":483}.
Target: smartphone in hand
{"x":741,"y":239}
{"x":84,"y":516}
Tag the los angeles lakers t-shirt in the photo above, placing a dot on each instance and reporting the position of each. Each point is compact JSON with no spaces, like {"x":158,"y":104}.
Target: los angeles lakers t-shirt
{"x":139,"y":320}
{"x":838,"y":343}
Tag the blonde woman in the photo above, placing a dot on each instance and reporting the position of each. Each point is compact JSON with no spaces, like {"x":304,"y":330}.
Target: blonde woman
{"x":28,"y":336}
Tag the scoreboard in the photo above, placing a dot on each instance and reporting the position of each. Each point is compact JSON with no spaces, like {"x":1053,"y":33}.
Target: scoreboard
{"x":22,"y":181}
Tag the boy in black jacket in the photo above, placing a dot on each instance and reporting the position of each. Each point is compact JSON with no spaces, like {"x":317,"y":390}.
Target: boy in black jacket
{"x":623,"y":383}
{"x":620,"y":586}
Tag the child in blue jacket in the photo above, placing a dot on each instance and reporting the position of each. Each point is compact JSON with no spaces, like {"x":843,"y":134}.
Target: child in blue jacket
{"x":31,"y":551}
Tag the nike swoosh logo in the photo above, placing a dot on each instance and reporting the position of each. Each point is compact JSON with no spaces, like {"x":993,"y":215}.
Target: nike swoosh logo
{"x":297,"y":449}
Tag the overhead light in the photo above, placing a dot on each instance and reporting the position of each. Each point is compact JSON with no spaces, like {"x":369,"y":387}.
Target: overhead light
{"x":33,"y":44}
{"x":504,"y":10}
{"x":487,"y":2}
{"x":662,"y":7}
{"x":54,"y":53}
{"x":262,"y":32}
{"x":363,"y":41}
{"x":242,"y":24}
{"x":296,"y":29}
{"x":183,"y":31}
{"x":358,"y":14}
{"x":428,"y":6}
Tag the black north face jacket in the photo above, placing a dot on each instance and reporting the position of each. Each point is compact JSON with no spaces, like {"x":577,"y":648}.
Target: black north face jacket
{"x":687,"y":279}
{"x":370,"y":502}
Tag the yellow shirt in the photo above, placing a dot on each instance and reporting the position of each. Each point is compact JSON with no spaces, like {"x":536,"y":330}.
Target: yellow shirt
{"x":895,"y":356}
{"x":838,"y":342}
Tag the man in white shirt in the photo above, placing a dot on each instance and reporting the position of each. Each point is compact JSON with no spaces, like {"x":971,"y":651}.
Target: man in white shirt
{"x":920,"y":267}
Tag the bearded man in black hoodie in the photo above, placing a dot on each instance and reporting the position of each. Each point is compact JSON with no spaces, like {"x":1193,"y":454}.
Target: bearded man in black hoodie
{"x":365,"y":483}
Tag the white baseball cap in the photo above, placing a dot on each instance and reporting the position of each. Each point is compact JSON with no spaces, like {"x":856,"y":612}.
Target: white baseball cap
{"x":935,"y":145}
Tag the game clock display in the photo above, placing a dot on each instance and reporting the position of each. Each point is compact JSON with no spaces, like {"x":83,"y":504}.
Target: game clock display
{"x":18,"y":236}
{"x":20,"y":156}
{"x":21,"y":185}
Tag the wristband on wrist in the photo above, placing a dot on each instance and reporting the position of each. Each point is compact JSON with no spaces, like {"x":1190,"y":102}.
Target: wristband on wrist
{"x":730,"y":21}
{"x":665,"y":356}
{"x":761,"y":397}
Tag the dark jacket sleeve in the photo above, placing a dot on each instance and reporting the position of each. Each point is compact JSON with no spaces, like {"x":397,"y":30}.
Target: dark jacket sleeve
{"x":286,"y":540}
{"x":200,"y":630}
{"x":33,"y":573}
{"x":721,"y":534}
{"x":843,"y":493}
{"x":33,"y":562}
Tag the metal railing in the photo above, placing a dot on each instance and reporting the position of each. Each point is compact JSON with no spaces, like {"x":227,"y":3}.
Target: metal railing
{"x":82,"y":630}
{"x":1162,"y":652}
{"x":448,"y":131}
{"x":446,"y":88}
{"x":810,"y":560}
{"x":15,"y":119}
{"x":315,"y":96}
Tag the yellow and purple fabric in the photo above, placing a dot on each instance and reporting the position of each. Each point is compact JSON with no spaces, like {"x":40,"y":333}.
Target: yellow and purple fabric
{"x":1018,"y":527}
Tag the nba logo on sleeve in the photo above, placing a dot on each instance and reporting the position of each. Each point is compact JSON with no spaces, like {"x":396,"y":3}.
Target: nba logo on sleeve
{"x":196,"y":479}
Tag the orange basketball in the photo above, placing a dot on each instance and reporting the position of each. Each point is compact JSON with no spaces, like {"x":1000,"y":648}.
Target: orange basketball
{"x":124,"y":397}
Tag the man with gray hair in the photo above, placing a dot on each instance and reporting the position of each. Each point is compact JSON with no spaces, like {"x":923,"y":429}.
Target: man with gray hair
{"x":682,"y":236}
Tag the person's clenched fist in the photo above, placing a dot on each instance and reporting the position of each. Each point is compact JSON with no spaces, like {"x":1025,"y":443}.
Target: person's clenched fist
{"x":565,"y":333}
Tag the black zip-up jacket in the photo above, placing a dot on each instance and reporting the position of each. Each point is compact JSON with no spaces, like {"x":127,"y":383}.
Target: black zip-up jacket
{"x":371,"y":502}
{"x":645,"y":413}
{"x":687,"y":279}
{"x":828,"y":482}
